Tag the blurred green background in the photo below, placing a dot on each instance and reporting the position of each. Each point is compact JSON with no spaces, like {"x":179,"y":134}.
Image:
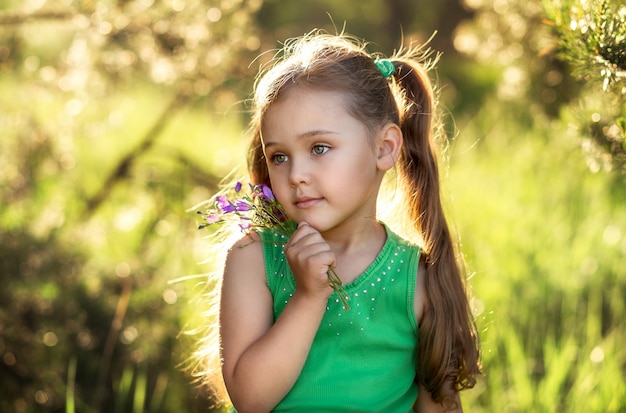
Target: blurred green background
{"x":118,"y":116}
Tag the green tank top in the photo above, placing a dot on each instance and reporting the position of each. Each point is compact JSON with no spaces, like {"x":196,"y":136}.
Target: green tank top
{"x":362,"y":359}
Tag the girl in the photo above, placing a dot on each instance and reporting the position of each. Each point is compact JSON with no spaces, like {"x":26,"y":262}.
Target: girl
{"x":329,"y":121}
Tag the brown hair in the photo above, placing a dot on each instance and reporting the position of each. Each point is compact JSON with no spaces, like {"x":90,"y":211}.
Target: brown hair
{"x":449,"y":346}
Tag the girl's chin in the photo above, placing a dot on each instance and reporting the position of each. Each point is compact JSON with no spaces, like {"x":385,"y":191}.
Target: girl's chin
{"x":313,"y":223}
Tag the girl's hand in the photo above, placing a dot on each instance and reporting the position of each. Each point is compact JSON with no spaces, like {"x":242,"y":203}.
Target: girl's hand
{"x":310,"y":257}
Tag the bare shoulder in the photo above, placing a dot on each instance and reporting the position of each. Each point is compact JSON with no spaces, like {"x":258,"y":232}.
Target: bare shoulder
{"x":246,"y":305}
{"x":247,"y":250}
{"x":244,"y":270}
{"x":421,"y":297}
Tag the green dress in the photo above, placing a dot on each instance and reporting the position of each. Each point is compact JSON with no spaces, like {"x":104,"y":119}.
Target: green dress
{"x":362,"y":359}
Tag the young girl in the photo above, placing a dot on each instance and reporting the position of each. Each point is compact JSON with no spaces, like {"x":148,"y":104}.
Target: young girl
{"x":329,"y":121}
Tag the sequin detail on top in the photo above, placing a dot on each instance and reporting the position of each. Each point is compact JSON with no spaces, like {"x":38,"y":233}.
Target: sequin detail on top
{"x":371,"y":346}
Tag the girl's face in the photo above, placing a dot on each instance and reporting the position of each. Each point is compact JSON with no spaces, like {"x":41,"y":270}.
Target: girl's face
{"x":322,"y":161}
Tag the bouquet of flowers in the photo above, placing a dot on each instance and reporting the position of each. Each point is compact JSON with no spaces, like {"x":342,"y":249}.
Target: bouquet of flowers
{"x":258,"y":209}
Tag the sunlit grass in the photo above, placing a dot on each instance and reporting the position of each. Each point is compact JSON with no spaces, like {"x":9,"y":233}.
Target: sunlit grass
{"x":546,"y":239}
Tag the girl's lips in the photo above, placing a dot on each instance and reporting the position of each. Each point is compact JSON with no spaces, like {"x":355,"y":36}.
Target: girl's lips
{"x":306,"y":202}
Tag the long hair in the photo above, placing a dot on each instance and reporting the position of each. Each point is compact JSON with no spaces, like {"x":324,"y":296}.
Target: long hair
{"x":449,"y":350}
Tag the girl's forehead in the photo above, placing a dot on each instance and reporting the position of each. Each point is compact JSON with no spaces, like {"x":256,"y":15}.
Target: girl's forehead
{"x":308,"y":100}
{"x":306,"y":106}
{"x":302,"y":112}
{"x":306,"y":92}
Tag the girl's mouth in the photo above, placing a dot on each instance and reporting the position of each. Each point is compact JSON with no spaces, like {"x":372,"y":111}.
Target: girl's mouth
{"x":306,"y":202}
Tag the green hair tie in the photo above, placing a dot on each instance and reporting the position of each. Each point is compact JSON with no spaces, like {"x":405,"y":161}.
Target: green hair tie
{"x":386,"y":67}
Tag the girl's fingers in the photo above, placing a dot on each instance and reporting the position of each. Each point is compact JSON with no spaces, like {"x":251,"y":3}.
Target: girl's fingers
{"x":300,"y":235}
{"x":307,"y":252}
{"x":308,"y":246}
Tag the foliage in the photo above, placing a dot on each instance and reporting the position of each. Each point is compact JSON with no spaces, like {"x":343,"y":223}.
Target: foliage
{"x":547,"y":242}
{"x":385,"y":23}
{"x":591,"y":37}
{"x":93,"y":290}
{"x":193,"y":47}
{"x":94,"y":183}
{"x":543,"y":50}
{"x":509,"y":40}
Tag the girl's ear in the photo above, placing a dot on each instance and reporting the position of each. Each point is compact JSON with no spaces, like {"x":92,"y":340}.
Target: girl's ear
{"x":389,"y":146}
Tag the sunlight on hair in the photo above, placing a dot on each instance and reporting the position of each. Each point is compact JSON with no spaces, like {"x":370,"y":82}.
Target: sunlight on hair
{"x":390,"y":201}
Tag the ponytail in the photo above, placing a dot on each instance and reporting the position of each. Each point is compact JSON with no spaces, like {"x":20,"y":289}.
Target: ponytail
{"x":449,"y":348}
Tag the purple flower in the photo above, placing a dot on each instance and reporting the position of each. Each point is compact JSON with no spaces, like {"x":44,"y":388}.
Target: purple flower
{"x":267,"y":192}
{"x":225,"y":205}
{"x":211,"y":218}
{"x":258,"y":209}
{"x":242,"y":206}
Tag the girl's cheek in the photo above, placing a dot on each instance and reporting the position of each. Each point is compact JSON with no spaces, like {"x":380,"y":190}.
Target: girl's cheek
{"x":282,"y":201}
{"x":279,"y":195}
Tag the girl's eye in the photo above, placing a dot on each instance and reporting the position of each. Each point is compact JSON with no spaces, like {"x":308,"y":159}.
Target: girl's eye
{"x":279,"y":158}
{"x":319,"y":149}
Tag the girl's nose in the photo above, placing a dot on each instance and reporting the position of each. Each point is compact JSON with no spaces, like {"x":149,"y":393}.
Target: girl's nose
{"x":298,"y":173}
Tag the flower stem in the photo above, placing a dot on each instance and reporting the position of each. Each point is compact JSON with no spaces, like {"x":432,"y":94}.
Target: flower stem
{"x":337,"y":285}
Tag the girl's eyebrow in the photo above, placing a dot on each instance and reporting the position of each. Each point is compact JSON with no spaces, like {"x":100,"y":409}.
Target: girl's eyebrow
{"x":308,"y":134}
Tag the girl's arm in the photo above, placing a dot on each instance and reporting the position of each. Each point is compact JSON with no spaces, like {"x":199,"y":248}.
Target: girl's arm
{"x":261,"y":358}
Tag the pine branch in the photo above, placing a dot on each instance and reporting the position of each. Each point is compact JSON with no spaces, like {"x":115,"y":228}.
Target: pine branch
{"x":592,"y":38}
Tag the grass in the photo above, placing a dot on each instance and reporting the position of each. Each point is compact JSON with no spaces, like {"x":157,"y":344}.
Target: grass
{"x":547,"y":241}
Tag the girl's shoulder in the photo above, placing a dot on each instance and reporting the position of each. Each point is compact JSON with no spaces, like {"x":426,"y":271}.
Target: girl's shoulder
{"x":243,"y":283}
{"x":254,"y":252}
{"x":401,"y":242}
{"x":245,"y":253}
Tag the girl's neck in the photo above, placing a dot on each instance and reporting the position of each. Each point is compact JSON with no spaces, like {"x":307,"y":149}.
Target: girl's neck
{"x":356,"y":245}
{"x":355,"y":236}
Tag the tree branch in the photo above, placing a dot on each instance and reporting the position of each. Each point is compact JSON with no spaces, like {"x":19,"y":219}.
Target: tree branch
{"x":126,"y":163}
{"x":7,"y":19}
